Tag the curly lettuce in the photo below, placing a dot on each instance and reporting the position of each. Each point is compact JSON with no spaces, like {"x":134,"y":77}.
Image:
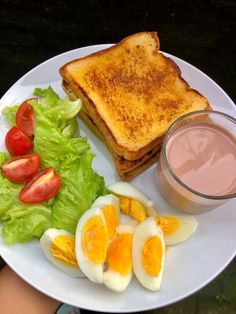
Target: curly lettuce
{"x":57,"y":141}
{"x":80,"y":187}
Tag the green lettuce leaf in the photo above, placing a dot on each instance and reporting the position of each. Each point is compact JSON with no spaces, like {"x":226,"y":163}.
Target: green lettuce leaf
{"x":80,"y":187}
{"x":19,"y":210}
{"x":71,"y":156}
{"x":55,"y":125}
{"x":52,"y":145}
{"x":69,"y":128}
{"x":21,"y":222}
{"x":59,"y":146}
{"x":3,"y":157}
{"x":26,"y":223}
{"x":8,"y":191}
{"x":56,"y":109}
{"x":10,"y":114}
{"x":47,"y":96}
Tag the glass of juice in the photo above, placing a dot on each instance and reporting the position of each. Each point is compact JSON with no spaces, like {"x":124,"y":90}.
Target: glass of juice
{"x":197,"y":166}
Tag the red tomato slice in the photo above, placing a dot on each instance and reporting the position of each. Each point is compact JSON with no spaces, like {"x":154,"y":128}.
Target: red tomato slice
{"x":17,"y":143}
{"x":25,"y":117}
{"x":41,"y":188}
{"x":22,"y":168}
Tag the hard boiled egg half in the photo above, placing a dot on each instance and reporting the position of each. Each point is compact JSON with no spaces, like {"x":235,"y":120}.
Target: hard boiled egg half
{"x":110,"y":206}
{"x":148,"y":254}
{"x":177,"y":228}
{"x":133,"y":201}
{"x":59,"y":248}
{"x":92,"y":239}
{"x":137,"y":206}
{"x":119,"y":259}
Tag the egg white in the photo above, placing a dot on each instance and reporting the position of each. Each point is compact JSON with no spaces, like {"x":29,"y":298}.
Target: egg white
{"x":107,"y":200}
{"x":46,"y":241}
{"x":131,"y":191}
{"x":114,"y":280}
{"x":127,"y":220}
{"x":146,"y":229}
{"x":93,"y":271}
{"x":188,"y":225}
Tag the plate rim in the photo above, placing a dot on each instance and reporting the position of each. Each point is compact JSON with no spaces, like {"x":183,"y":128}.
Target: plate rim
{"x":121,"y":310}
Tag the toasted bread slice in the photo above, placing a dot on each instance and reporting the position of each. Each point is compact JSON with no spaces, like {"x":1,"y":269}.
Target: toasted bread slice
{"x":126,"y":169}
{"x":142,"y":167}
{"x":132,"y":92}
{"x":122,"y":165}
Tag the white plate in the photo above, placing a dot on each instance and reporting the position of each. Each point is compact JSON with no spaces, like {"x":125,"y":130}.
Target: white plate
{"x":189,"y":266}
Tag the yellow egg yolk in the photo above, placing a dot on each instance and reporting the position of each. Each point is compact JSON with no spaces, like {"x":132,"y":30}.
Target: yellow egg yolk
{"x":119,"y":257}
{"x":132,"y":208}
{"x":112,"y":219}
{"x":169,"y":225}
{"x":95,"y":238}
{"x":63,"y":249}
{"x":152,"y":255}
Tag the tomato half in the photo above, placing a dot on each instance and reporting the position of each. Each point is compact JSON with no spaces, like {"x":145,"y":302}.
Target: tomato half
{"x":41,"y":188}
{"x":22,"y":168}
{"x":17,"y":143}
{"x":25,"y":117}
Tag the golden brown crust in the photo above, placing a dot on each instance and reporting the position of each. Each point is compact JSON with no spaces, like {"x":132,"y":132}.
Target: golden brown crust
{"x":101,"y":52}
{"x":102,"y":87}
{"x":132,"y":93}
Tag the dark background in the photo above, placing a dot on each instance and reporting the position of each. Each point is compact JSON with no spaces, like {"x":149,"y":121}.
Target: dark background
{"x":200,"y":32}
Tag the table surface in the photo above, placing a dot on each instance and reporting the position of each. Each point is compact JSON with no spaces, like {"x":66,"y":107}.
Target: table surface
{"x":199,"y":32}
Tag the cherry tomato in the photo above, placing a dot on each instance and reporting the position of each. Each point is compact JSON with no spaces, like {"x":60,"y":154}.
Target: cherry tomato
{"x":17,"y":143}
{"x":22,"y":168}
{"x":41,"y":188}
{"x":25,"y":117}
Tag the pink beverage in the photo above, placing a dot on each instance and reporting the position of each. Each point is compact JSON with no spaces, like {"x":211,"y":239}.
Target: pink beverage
{"x":203,"y":156}
{"x":197,"y":168}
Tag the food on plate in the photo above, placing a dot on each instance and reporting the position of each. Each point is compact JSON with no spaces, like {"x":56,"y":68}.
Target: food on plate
{"x":25,"y":117}
{"x":66,"y":203}
{"x":148,"y":254}
{"x":59,"y":247}
{"x":80,"y":186}
{"x":131,"y":94}
{"x":43,"y":186}
{"x":110,"y":246}
{"x":22,"y":223}
{"x":119,"y":260}
{"x":125,"y":168}
{"x":137,"y":205}
{"x":133,"y":201}
{"x":10,"y":114}
{"x":110,"y":207}
{"x":177,"y":228}
{"x":22,"y":168}
{"x":92,"y":239}
{"x":17,"y":143}
{"x":60,"y":147}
